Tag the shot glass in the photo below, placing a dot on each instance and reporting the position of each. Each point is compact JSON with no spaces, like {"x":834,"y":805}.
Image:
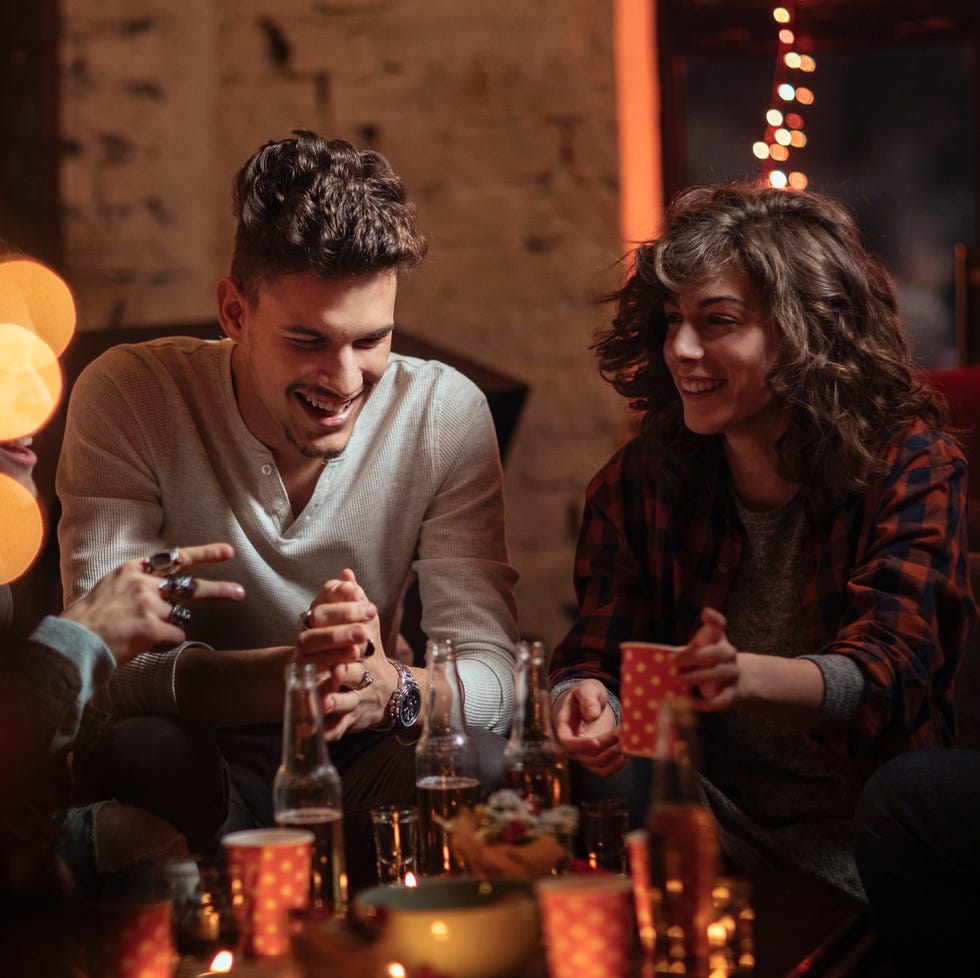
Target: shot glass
{"x":396,"y":839}
{"x":587,"y":924}
{"x":604,"y":825}
{"x":270,"y":868}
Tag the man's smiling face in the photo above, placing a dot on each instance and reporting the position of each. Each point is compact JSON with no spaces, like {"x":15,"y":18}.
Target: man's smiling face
{"x":309,"y":353}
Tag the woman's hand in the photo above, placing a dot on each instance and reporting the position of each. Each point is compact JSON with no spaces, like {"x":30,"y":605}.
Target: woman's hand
{"x":709,"y":665}
{"x":586,"y":727}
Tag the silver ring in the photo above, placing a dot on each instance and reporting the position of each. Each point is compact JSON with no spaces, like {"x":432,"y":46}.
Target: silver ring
{"x":305,"y":618}
{"x":163,"y":563}
{"x":177,"y":586}
{"x":179,"y":616}
{"x":366,"y":681}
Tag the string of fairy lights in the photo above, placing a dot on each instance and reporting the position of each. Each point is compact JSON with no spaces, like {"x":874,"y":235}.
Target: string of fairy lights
{"x":784,"y":136}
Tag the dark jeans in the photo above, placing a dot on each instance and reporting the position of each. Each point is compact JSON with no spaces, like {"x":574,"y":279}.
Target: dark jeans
{"x":210,"y":782}
{"x":918,"y":853}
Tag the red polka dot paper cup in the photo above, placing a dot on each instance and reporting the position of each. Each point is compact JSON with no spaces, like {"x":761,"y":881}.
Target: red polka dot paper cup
{"x":270,"y":869}
{"x":648,"y":677}
{"x":587,"y":924}
{"x":129,"y":940}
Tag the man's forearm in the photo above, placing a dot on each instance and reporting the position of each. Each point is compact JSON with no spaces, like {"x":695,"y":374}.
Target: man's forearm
{"x":223,"y":688}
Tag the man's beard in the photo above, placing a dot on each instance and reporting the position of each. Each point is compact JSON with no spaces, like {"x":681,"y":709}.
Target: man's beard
{"x":310,"y":451}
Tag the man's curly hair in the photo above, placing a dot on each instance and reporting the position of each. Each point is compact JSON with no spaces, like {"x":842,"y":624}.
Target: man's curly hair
{"x":844,"y":370}
{"x":307,"y":204}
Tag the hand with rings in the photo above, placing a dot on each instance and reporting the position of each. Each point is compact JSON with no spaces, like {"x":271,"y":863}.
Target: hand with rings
{"x":341,"y":634}
{"x":137,"y":606}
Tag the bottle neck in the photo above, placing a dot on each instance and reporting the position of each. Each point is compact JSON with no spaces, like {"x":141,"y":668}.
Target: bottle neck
{"x":303,"y":744}
{"x":532,"y":701}
{"x":444,"y":704}
{"x":675,"y":762}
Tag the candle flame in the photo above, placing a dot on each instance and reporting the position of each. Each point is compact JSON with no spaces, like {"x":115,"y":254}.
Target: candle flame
{"x":223,"y":961}
{"x":410,"y":879}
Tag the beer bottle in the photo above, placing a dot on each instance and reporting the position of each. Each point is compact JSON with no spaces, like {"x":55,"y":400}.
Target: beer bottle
{"x":683,"y":842}
{"x":535,"y":763}
{"x":447,"y":767}
{"x":306,"y":790}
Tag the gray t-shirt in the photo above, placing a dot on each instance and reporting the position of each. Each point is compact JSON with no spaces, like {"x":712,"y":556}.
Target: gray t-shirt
{"x":775,"y":803}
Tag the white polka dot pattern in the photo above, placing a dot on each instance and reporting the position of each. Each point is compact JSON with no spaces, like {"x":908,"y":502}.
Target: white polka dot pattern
{"x":275,"y":879}
{"x":648,"y":676}
{"x":588,"y":927}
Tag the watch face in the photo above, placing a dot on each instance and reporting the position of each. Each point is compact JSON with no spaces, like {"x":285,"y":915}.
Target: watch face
{"x":410,"y":706}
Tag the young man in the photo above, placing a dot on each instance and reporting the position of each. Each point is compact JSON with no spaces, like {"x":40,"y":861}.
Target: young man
{"x":334,"y":468}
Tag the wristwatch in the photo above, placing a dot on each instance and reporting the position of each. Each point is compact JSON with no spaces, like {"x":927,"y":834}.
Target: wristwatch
{"x":405,"y":703}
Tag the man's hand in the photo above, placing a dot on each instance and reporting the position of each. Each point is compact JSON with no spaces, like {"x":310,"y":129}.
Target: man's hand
{"x":586,"y":726}
{"x":127,"y":610}
{"x":342,"y":623}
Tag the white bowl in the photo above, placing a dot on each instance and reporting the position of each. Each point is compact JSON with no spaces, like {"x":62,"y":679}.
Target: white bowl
{"x":467,"y":928}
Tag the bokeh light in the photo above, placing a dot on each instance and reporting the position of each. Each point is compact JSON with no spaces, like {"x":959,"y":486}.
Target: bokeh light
{"x":780,"y":15}
{"x":807,"y":63}
{"x":786,"y":92}
{"x":783,"y":137}
{"x":797,"y":180}
{"x":761,"y":150}
{"x":777,"y":179}
{"x":797,"y":139}
{"x":779,"y":153}
{"x":34,"y":297}
{"x":792,"y":59}
{"x":774,"y":117}
{"x":804,"y":96}
{"x":30,"y":381}
{"x":23,"y":529}
{"x":794,"y":120}
{"x":786,"y":36}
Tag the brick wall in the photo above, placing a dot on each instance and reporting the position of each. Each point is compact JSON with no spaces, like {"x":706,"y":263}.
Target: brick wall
{"x":500,"y":118}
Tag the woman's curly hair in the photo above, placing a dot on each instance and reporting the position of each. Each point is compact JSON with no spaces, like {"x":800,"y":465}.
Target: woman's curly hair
{"x":307,"y":204}
{"x":843,"y":370}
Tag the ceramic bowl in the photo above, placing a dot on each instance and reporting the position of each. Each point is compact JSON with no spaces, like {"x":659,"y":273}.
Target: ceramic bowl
{"x":467,"y":928}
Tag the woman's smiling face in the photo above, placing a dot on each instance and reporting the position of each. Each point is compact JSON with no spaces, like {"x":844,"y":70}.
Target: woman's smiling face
{"x":719,"y":348}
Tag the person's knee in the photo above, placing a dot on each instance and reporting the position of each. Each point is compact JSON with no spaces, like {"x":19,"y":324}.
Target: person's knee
{"x":161,"y":766}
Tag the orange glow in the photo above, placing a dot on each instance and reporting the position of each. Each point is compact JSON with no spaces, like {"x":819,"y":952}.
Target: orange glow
{"x":777,"y":179}
{"x":760,"y":150}
{"x":786,"y":92}
{"x":804,"y":96}
{"x":638,"y":114}
{"x":774,"y":117}
{"x":30,"y":381}
{"x":786,"y":36}
{"x":792,"y":59}
{"x":23,"y":529}
{"x":798,"y":181}
{"x":779,"y":153}
{"x":410,"y":879}
{"x":32,"y":296}
{"x":396,"y":970}
{"x":794,"y":120}
{"x":780,"y":15}
{"x":796,"y":139}
{"x":807,"y":63}
{"x":222,"y":961}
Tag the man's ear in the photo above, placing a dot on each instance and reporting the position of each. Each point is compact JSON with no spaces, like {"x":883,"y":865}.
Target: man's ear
{"x":231,"y":308}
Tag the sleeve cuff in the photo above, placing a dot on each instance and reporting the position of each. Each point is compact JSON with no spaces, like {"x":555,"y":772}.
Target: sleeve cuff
{"x":612,"y":699}
{"x":843,"y":688}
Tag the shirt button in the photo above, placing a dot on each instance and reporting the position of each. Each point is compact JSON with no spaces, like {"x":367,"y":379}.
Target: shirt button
{"x":267,"y":470}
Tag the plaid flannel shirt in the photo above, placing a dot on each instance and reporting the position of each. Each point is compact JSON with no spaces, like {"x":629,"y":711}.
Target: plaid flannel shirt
{"x":887,"y":584}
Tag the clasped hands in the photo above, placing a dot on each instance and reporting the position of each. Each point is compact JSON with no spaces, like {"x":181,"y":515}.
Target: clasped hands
{"x":342,"y":637}
{"x":708,"y":666}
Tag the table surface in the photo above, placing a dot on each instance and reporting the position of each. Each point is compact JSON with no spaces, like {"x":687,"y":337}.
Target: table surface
{"x":803,"y":929}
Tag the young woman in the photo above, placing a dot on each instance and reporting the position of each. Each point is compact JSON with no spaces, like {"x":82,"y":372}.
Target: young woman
{"x":791,"y":513}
